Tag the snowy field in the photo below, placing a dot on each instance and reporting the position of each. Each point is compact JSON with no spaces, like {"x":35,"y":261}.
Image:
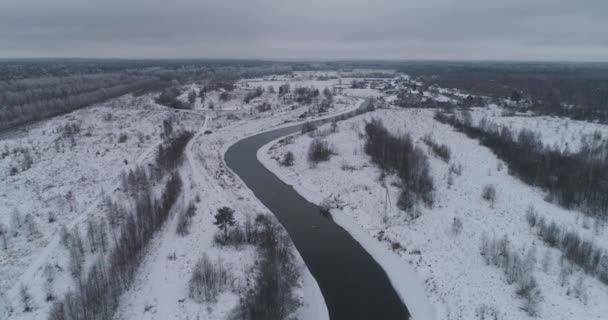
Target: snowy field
{"x":58,"y":171}
{"x":554,"y":132}
{"x":455,"y":276}
{"x":75,"y":159}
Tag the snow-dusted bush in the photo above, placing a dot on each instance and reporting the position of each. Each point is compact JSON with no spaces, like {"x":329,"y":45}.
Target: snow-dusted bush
{"x":486,"y":312}
{"x":122,"y":137}
{"x":456,"y":226}
{"x":318,"y":151}
{"x":442,"y":151}
{"x":582,"y":252}
{"x":288,"y":159}
{"x":272,"y":296}
{"x":26,"y":298}
{"x":517,"y":269}
{"x":489,"y":193}
{"x":184,"y":219}
{"x":455,"y":169}
{"x":208,"y":280}
{"x":531,"y":216}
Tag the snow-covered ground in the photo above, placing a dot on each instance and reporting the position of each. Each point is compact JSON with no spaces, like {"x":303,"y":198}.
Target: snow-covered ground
{"x":160,"y":291}
{"x":70,"y":175}
{"x":438,"y":273}
{"x":553,"y":131}
{"x":454,"y":274}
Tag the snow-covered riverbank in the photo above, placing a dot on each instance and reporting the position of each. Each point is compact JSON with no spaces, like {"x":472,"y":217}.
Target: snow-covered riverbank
{"x":426,"y":257}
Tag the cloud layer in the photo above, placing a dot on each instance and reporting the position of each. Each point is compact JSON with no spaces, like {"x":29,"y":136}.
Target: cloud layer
{"x":313,"y":29}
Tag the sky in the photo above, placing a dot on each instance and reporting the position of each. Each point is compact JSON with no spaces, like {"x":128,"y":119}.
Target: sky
{"x":538,"y":30}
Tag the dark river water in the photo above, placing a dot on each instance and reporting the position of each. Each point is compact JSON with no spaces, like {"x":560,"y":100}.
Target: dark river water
{"x":354,"y":286}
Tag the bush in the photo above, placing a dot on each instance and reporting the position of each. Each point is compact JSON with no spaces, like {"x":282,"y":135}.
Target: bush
{"x":489,"y":193}
{"x":253,"y":94}
{"x":122,"y":137}
{"x":288,"y":159}
{"x":517,"y":269}
{"x":319,"y":151}
{"x":184,"y":219}
{"x":272,"y":296}
{"x":441,"y":151}
{"x":208,"y":280}
{"x":531,"y":216}
{"x":583,"y":253}
{"x":456,"y":226}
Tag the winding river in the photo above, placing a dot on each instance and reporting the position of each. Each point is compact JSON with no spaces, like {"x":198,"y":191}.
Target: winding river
{"x":354,"y":286}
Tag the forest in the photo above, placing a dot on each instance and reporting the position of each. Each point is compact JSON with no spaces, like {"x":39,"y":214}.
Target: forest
{"x":575,"y":90}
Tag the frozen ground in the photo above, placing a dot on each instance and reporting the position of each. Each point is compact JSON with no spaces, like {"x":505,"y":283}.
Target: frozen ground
{"x":160,"y":291}
{"x":72,"y":170}
{"x":454,"y":275}
{"x":553,"y":131}
{"x":438,"y":273}
{"x":69,"y":172}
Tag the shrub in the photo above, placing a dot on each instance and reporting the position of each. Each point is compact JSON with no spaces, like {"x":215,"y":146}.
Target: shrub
{"x":107,"y":117}
{"x":184,"y":219}
{"x":253,"y":94}
{"x":441,"y":151}
{"x":517,"y":269}
{"x":489,"y":193}
{"x":122,"y":137}
{"x":456,"y":169}
{"x":318,"y":151}
{"x":288,"y":159}
{"x":531,"y":216}
{"x":456,"y":226}
{"x":208,"y":280}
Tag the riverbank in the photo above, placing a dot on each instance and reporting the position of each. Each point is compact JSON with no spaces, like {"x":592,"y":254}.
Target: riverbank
{"x":442,"y":245}
{"x":402,"y":276}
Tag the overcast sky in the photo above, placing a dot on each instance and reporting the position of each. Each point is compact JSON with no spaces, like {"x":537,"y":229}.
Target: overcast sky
{"x":307,"y":29}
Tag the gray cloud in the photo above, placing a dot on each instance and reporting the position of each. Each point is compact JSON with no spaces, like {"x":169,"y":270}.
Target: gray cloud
{"x":323,"y":29}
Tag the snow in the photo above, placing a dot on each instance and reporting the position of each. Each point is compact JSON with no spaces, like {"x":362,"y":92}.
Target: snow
{"x":86,"y":169}
{"x":553,"y":131}
{"x":438,"y":274}
{"x":450,"y":268}
{"x":162,"y":284}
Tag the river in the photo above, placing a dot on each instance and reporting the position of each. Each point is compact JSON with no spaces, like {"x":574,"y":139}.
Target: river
{"x":353,"y":284}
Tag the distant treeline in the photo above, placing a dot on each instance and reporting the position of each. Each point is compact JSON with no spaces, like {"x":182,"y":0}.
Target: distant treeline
{"x":32,"y":90}
{"x":576,"y":90}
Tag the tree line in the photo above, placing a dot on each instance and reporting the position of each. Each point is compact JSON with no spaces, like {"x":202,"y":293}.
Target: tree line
{"x":97,"y":291}
{"x":575,"y":179}
{"x":398,"y":154}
